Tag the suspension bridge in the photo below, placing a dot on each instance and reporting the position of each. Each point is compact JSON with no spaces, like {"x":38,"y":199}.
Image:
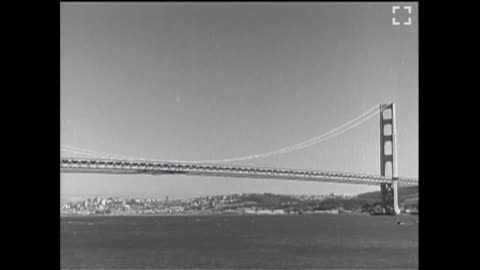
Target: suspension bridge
{"x":388,"y":180}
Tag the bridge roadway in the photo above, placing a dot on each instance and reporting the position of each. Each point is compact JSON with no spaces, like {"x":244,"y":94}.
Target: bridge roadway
{"x":112,"y":166}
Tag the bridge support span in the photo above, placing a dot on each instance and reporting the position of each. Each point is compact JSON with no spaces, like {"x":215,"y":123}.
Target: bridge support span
{"x":388,"y":158}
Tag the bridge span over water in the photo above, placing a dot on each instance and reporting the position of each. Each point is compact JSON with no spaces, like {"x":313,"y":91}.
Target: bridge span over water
{"x":111,"y":166}
{"x":388,"y":180}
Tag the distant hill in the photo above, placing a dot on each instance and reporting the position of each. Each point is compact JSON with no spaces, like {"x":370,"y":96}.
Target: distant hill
{"x":268,"y":199}
{"x":406,"y":195}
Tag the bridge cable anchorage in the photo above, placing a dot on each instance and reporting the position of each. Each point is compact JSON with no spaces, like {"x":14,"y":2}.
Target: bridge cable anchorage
{"x":330,"y":134}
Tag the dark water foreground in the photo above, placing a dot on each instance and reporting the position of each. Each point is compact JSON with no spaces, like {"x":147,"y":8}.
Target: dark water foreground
{"x":304,"y":241}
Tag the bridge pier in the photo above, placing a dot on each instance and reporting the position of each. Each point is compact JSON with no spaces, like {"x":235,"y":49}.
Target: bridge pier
{"x":388,"y":159}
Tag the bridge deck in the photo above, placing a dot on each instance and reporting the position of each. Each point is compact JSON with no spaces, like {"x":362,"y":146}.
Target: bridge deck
{"x":110,"y":166}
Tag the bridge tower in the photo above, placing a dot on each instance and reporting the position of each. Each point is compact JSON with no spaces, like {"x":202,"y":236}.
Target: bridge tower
{"x":388,"y":158}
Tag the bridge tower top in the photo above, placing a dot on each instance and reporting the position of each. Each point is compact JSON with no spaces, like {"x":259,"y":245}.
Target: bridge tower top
{"x":388,"y":141}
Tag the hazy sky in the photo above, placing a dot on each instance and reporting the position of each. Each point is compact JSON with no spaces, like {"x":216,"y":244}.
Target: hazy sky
{"x":195,"y":81}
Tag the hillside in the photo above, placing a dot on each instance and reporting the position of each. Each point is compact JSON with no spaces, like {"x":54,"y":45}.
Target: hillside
{"x":406,"y":195}
{"x":366,"y":202}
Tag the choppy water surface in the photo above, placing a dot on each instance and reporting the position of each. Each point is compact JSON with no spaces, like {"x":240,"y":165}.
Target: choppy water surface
{"x":303,"y":241}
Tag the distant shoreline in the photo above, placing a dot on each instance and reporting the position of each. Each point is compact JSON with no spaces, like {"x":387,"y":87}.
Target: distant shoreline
{"x":203,"y":215}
